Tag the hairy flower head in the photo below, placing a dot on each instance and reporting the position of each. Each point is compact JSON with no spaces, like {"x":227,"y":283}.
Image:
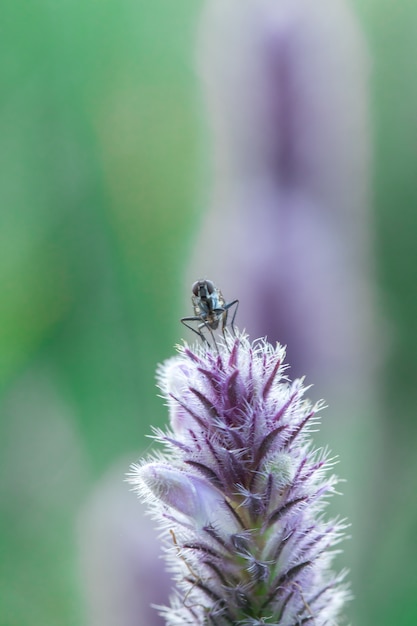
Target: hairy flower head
{"x":240,"y":491}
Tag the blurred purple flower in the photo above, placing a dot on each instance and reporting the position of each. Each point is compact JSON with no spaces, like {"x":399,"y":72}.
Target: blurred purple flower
{"x":120,"y":557}
{"x":286,"y":86}
{"x":240,"y":492}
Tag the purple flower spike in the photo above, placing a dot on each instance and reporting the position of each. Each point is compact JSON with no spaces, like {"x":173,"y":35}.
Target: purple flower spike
{"x":240,"y":492}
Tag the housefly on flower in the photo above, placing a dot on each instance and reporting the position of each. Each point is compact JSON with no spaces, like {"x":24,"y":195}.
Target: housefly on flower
{"x":210,"y":310}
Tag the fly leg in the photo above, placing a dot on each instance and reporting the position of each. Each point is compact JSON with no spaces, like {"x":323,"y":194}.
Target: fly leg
{"x":197,"y":331}
{"x":226,"y":308}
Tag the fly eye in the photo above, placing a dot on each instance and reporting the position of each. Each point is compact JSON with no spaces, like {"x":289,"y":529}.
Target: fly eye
{"x":210,"y":286}
{"x":196,"y":287}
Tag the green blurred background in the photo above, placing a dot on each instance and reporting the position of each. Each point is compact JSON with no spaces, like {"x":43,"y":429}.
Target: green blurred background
{"x":102,"y":167}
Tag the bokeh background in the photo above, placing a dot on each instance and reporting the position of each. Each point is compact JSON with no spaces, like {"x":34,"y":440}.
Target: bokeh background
{"x":103,"y":176}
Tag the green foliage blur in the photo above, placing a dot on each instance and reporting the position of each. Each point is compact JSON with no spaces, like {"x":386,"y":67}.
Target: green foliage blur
{"x":388,"y":588}
{"x":100,"y":165}
{"x":98,"y":187}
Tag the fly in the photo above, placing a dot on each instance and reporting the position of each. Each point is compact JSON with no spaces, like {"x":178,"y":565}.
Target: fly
{"x":210,"y":310}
